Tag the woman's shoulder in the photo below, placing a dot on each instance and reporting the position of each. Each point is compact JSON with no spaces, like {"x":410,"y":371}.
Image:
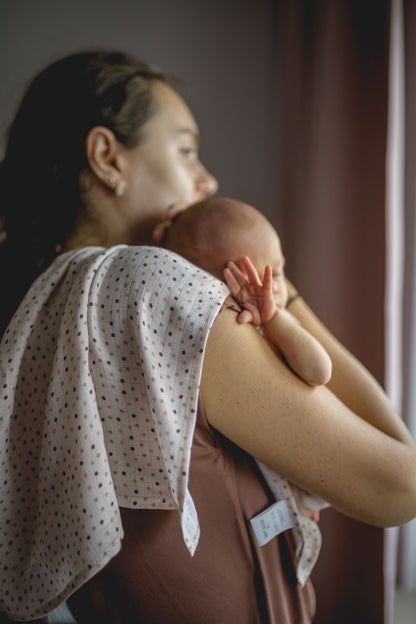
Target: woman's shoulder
{"x":132,"y":274}
{"x":156,"y":264}
{"x":141,"y":257}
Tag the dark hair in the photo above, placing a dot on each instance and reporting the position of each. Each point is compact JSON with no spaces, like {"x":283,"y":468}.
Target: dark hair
{"x":45,"y":154}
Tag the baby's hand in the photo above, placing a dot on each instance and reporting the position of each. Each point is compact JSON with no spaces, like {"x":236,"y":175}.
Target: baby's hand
{"x":255,"y":296}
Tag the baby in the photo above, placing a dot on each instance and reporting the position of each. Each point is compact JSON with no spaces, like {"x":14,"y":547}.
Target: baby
{"x":218,"y":230}
{"x":236,"y":243}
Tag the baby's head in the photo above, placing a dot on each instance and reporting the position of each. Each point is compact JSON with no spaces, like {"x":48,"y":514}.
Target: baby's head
{"x":216,"y":230}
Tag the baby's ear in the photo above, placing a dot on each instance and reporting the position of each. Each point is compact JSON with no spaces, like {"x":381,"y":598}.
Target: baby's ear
{"x":161,"y":231}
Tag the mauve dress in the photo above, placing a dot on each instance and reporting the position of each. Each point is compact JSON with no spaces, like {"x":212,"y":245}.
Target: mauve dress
{"x":229,"y":580}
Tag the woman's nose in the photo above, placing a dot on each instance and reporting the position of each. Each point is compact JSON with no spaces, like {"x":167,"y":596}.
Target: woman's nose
{"x":206,"y":184}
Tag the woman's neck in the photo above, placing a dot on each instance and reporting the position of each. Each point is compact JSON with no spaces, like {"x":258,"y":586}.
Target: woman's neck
{"x":103,"y":223}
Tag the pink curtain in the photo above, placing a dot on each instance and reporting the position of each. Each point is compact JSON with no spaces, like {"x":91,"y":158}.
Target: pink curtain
{"x":333,"y":59}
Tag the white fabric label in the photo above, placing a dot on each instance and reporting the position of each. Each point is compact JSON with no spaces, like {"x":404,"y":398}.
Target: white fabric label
{"x":272,"y":522}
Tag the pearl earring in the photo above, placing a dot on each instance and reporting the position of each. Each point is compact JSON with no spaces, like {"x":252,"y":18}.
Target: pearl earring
{"x":118,"y":189}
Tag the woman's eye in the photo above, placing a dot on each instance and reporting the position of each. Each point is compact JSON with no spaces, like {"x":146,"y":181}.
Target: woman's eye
{"x":188,"y":151}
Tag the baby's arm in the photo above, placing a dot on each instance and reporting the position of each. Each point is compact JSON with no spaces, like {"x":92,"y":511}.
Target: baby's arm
{"x":302,"y":352}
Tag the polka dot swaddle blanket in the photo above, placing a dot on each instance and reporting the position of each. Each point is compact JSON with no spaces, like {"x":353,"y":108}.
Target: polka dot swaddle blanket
{"x":105,"y":345}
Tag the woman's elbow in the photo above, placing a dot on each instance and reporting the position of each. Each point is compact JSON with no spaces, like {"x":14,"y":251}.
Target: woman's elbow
{"x":400,"y":505}
{"x":407,"y":505}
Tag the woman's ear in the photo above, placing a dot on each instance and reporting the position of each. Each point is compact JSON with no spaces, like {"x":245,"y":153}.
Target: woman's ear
{"x":103,"y":152}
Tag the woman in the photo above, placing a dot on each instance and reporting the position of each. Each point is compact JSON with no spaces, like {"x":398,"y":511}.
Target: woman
{"x":133,"y":402}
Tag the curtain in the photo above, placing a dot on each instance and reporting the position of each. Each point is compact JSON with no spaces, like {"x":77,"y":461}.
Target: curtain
{"x":407,"y":551}
{"x":395,"y":259}
{"x":333,"y":76}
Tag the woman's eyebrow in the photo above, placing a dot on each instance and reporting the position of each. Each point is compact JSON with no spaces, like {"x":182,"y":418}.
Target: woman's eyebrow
{"x":192,"y":133}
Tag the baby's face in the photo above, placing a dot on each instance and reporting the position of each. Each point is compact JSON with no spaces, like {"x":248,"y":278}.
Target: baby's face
{"x":269,"y":251}
{"x":279,"y":286}
{"x":279,"y":281}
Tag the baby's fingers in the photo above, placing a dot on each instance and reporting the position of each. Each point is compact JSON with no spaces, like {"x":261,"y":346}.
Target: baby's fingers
{"x":248,"y":269}
{"x":231,"y":281}
{"x":235,"y":279}
{"x":239,"y":275}
{"x":245,"y":317}
{"x":268,"y":278}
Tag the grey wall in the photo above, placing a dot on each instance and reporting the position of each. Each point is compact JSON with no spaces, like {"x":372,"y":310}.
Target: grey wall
{"x":224,"y":50}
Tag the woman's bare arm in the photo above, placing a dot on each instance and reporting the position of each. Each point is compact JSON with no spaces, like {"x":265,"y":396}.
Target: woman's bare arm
{"x":351,"y":382}
{"x":353,"y":451}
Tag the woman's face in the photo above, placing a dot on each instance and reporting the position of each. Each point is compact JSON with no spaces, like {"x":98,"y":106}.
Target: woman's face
{"x":164,"y":169}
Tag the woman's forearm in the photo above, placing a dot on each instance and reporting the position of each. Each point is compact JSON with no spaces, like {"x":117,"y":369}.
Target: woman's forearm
{"x":351,"y":382}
